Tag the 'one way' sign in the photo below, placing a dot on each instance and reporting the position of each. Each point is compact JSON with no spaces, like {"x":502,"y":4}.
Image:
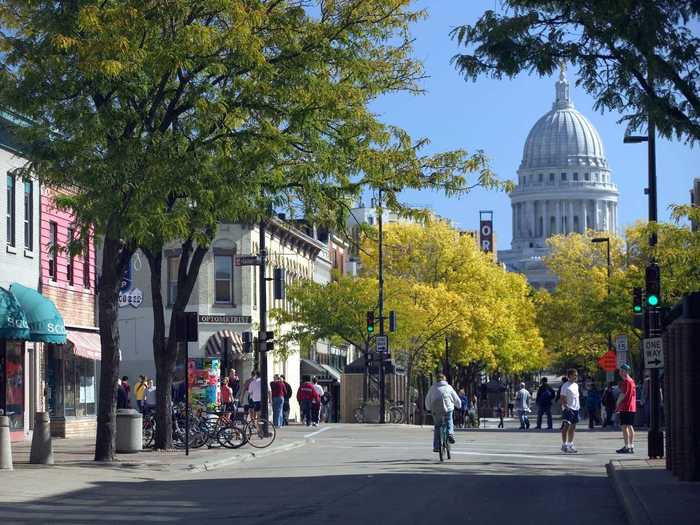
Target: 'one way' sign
{"x":653,"y":352}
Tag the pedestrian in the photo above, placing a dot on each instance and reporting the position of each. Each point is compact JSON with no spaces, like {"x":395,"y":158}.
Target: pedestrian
{"x":122,"y":396}
{"x":234,"y":382}
{"x":627,"y":408}
{"x":543,"y":400}
{"x":226,"y":396}
{"x":570,"y":405}
{"x":151,"y":400}
{"x":463,"y":412}
{"x":522,"y":405}
{"x":277,"y":390}
{"x":245,"y":400}
{"x":255,"y":395}
{"x":474,"y":411}
{"x":140,"y":393}
{"x":561,"y":384}
{"x":499,"y":414}
{"x":316,"y":406}
{"x":306,"y":395}
{"x":593,"y":405}
{"x":583,"y":397}
{"x":127,"y":389}
{"x":609,"y":401}
{"x":287,"y":396}
{"x":326,"y":405}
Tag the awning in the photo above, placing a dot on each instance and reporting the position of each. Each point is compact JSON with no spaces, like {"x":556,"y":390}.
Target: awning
{"x":216,"y":343}
{"x":85,"y":344}
{"x":13,"y":322}
{"x":311,"y":368}
{"x":333,"y":372}
{"x":45,"y":323}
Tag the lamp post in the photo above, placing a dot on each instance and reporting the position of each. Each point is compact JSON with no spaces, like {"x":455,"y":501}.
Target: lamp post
{"x":606,"y":240}
{"x":655,"y":436}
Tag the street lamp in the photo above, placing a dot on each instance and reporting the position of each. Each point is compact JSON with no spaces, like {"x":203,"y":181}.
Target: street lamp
{"x":606,"y":240}
{"x":655,"y":436}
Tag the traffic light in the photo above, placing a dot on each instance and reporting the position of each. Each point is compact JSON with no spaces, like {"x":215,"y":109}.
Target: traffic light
{"x":247,"y":342}
{"x":637,"y":301}
{"x":278,"y":283}
{"x":370,"y":322}
{"x":653,"y":285}
{"x":269,"y":341}
{"x":392,"y":321}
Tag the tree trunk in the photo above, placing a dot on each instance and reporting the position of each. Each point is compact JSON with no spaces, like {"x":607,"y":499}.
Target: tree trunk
{"x":114,"y":260}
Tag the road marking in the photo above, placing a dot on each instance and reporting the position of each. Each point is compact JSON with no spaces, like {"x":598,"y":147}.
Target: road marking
{"x":527,"y":456}
{"x":312,"y":434}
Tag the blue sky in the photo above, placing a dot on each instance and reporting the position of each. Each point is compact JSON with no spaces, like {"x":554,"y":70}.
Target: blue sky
{"x":496,"y":116}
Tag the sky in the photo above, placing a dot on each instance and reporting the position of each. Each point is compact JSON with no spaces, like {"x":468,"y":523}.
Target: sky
{"x":496,"y":115}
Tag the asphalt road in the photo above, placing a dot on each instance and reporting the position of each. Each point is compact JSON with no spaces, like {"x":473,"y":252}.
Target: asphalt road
{"x":351,"y":474}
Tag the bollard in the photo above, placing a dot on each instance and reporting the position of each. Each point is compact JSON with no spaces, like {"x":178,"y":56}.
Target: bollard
{"x":42,"y":449}
{"x":5,"y":447}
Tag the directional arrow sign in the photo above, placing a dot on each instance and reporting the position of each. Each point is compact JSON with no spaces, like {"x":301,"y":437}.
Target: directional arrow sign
{"x":653,"y":352}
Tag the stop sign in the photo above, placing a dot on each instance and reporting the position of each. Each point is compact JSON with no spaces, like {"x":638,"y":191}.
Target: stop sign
{"x":608,"y":361}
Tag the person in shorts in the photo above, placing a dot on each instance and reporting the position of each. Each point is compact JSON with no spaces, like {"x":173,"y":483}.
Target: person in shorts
{"x":570,"y":406}
{"x":627,"y":409}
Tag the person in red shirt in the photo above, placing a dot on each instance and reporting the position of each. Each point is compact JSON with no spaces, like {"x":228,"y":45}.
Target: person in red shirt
{"x":226,"y":396}
{"x":307,"y":396}
{"x":627,"y":408}
{"x":278,"y":390}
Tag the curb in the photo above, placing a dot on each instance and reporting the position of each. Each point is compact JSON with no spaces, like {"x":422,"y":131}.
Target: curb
{"x":633,"y":505}
{"x":245,"y":457}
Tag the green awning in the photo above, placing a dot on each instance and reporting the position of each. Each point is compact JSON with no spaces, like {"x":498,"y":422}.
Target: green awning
{"x":13,"y":322}
{"x":45,"y":323}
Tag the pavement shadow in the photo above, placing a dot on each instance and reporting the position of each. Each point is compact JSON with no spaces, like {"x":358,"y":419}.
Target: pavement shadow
{"x":400,"y":498}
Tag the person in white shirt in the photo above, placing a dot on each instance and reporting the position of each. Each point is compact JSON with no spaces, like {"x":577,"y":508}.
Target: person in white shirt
{"x":442,"y":400}
{"x":254,"y":393}
{"x":570,"y":406}
{"x":316,"y":407}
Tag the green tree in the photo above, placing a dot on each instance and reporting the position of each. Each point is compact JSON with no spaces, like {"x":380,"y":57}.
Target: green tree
{"x":615,"y":46}
{"x":167,"y":121}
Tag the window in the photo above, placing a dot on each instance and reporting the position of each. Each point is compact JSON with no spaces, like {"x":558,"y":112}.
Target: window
{"x":70,"y":383}
{"x":576,"y":224}
{"x":86,"y":263}
{"x":552,"y":224}
{"x":28,"y":215}
{"x":53,"y":250}
{"x":551,"y":177}
{"x":173,"y":263}
{"x":587,"y":176}
{"x":563,"y":176}
{"x":69,"y":267}
{"x":575,"y":176}
{"x":540,"y":177}
{"x":223,"y":285}
{"x":12,"y":401}
{"x":10,"y":210}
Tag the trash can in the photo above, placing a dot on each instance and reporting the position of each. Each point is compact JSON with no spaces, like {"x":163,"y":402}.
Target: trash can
{"x":129,"y":430}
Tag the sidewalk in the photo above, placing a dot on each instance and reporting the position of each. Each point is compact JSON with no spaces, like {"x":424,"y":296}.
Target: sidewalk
{"x":650,"y":494}
{"x":80,"y":453}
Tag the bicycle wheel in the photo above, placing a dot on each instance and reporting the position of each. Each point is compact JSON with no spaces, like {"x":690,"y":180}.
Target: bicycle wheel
{"x":447,"y":446}
{"x":441,"y":448}
{"x":149,"y":432}
{"x":358,"y":415}
{"x":231,"y":436}
{"x":260,"y":433}
{"x":396,"y":414}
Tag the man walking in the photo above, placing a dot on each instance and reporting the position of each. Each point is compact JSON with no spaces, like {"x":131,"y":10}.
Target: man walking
{"x":255,"y":393}
{"x":522,"y":405}
{"x":627,"y":408}
{"x":316,"y":406}
{"x":570,"y":406}
{"x":306,"y":395}
{"x":545,"y":396}
{"x":278,"y":391}
{"x":609,"y":402}
{"x":140,"y":393}
{"x":288,"y":392}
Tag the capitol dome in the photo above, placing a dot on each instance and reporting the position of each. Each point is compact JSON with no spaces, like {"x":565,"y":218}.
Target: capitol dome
{"x":563,"y":137}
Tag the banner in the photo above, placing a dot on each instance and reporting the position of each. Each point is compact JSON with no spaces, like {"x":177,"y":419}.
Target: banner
{"x":486,"y":231}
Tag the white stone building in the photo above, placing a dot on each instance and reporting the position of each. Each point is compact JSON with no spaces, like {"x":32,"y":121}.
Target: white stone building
{"x":564,"y":186}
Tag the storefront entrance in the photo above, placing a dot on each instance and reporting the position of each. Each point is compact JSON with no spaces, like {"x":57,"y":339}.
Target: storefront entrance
{"x":12,"y":386}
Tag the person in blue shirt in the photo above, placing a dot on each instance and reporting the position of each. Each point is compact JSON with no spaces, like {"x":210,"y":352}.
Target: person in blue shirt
{"x":544,"y":398}
{"x":593,"y":402}
{"x":464,"y":408}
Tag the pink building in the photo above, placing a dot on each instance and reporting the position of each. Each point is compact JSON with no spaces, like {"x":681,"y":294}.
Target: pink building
{"x":69,"y":281}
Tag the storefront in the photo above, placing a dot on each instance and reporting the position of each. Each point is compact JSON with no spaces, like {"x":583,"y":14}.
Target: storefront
{"x":14,"y":331}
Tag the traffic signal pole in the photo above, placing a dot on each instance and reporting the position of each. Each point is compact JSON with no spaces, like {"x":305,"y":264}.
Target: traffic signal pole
{"x":380,"y":222}
{"x":260,"y":347}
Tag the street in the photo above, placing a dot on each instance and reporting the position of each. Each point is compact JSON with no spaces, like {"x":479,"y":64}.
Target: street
{"x":346,"y":474}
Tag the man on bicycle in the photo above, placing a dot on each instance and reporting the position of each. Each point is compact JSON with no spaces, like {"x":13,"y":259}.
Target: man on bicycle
{"x":442,"y":400}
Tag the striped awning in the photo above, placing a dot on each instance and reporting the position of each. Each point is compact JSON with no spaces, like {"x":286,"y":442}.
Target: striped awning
{"x":216,"y":343}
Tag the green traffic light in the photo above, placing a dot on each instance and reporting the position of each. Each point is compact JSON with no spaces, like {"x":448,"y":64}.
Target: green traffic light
{"x":370,"y":329}
{"x":653,"y":300}
{"x":637,"y":309}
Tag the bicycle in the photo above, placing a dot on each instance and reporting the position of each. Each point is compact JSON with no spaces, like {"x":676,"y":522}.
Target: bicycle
{"x":444,"y":441}
{"x":259,"y":433}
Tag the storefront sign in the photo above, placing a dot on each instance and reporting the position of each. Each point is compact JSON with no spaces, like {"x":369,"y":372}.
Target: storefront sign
{"x":226,"y":319}
{"x":486,"y":231}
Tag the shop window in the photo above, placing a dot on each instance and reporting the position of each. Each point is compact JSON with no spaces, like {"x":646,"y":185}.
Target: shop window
{"x":70,"y":383}
{"x":223,"y":279}
{"x":12,"y":383}
{"x":173,"y":263}
{"x":10,"y":214}
{"x":53,"y":250}
{"x":28,"y":215}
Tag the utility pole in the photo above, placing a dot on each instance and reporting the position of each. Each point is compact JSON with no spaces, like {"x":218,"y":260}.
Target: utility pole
{"x":380,"y":222}
{"x":262,"y":335}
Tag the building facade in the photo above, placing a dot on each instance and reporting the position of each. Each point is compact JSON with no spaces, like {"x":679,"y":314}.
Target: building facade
{"x":564,"y":186}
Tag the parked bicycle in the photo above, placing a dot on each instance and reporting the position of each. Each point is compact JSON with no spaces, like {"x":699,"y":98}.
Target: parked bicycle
{"x":394,"y":413}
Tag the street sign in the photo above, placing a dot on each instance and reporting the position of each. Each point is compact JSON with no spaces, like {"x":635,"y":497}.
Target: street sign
{"x":608,"y":361}
{"x":382,"y":343}
{"x":622,"y":349}
{"x":132,"y":298}
{"x":247,"y":260}
{"x":653,"y":352}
